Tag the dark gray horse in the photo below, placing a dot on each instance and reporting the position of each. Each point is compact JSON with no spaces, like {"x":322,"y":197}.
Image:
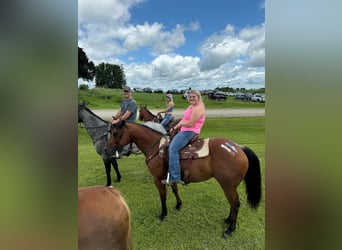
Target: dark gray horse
{"x":97,"y":129}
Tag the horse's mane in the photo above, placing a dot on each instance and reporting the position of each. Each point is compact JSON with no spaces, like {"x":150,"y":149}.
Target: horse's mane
{"x":91,"y":112}
{"x":148,"y":111}
{"x":157,"y":127}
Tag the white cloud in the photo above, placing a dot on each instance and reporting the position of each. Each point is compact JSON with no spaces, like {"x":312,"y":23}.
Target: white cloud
{"x":228,"y":47}
{"x":154,"y":36}
{"x":228,"y":58}
{"x":175,"y":67}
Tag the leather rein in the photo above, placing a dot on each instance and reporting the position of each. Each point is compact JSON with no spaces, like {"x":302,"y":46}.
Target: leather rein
{"x":145,"y":150}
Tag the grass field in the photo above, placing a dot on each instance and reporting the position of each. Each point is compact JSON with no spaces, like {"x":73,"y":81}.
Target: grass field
{"x":199,"y":224}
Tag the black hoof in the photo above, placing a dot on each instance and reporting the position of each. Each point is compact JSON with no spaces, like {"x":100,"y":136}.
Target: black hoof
{"x":161,"y":217}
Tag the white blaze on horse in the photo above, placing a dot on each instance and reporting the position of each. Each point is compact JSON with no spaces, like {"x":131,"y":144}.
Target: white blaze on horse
{"x":103,"y":219}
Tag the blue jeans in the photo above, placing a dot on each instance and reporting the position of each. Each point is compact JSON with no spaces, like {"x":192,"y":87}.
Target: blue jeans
{"x":177,"y":143}
{"x":166,"y":120}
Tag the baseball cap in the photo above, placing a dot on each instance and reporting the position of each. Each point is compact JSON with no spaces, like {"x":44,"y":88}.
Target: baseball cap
{"x":126,"y":88}
{"x":169,"y":96}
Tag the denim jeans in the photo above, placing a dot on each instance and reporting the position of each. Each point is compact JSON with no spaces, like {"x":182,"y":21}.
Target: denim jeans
{"x":166,"y":120}
{"x":177,"y":143}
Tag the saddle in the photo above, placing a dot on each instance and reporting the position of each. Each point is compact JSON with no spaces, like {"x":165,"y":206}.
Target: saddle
{"x":195,"y":149}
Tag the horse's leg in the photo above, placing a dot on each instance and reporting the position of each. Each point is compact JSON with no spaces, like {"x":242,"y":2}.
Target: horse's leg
{"x":107,"y":166}
{"x":175,"y":191}
{"x":116,"y":168}
{"x":234,"y":202}
{"x":162,"y":194}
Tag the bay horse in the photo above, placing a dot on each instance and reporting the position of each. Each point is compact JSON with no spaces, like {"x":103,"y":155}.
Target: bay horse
{"x":146,"y":116}
{"x":103,"y":219}
{"x":228,"y":162}
{"x":98,"y":130}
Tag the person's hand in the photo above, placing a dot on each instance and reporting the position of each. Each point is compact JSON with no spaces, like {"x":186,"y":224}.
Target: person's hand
{"x":115,"y":121}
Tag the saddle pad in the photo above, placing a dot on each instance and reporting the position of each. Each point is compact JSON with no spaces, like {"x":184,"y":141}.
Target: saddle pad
{"x":192,"y":149}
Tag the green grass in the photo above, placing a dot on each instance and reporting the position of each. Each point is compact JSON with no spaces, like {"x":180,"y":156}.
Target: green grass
{"x":199,"y":224}
{"x":100,"y":98}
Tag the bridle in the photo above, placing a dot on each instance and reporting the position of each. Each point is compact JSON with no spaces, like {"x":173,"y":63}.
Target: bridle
{"x":118,"y":137}
{"x":105,"y":134}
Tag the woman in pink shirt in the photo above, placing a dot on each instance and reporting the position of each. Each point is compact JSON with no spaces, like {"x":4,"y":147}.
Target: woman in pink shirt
{"x":190,"y":125}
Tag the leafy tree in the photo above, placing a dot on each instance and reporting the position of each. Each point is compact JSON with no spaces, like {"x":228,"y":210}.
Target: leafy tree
{"x":83,"y":87}
{"x":86,"y":68}
{"x":110,"y":76}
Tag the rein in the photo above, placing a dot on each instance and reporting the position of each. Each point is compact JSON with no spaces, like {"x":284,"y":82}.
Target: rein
{"x":146,"y":150}
{"x":101,"y":136}
{"x":155,"y":153}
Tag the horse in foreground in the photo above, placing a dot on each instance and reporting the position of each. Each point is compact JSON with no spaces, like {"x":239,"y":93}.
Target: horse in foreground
{"x":103,"y":219}
{"x":226,"y":161}
{"x":97,"y":129}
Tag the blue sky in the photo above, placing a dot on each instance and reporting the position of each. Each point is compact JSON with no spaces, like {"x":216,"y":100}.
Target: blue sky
{"x":177,"y":44}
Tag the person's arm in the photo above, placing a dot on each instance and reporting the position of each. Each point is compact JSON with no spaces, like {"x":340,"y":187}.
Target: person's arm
{"x":117,"y":115}
{"x":125,"y":115}
{"x":167,"y":109}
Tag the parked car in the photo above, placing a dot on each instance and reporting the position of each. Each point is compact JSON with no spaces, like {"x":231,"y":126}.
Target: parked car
{"x":258,"y":98}
{"x":243,"y":97}
{"x":173,"y":91}
{"x":147,"y":90}
{"x":158,"y":90}
{"x":218,"y":96}
{"x":138,"y":89}
{"x":185,"y":94}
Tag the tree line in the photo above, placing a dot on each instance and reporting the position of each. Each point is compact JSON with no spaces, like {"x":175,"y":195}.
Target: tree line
{"x":106,"y":75}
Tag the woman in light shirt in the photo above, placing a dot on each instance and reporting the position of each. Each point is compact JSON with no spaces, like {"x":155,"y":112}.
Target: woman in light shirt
{"x":168,"y":110}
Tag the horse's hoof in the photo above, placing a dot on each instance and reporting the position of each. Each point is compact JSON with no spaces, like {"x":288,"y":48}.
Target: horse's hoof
{"x":227,"y":235}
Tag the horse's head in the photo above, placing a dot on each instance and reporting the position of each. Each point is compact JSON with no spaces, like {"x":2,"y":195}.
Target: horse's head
{"x":119,"y":136}
{"x":146,"y":115}
{"x":141,"y":113}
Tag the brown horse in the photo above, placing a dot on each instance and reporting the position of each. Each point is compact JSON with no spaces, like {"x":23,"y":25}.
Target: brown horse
{"x":103,"y":219}
{"x":227,"y":162}
{"x":147,"y":116}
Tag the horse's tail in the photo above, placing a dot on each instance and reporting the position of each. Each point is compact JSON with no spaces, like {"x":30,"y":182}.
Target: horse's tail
{"x":252,"y":178}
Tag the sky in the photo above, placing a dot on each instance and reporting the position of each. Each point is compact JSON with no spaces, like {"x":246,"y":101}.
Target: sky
{"x":177,"y":44}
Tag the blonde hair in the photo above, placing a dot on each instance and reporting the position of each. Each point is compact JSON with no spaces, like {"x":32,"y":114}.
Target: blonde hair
{"x":196,"y":92}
